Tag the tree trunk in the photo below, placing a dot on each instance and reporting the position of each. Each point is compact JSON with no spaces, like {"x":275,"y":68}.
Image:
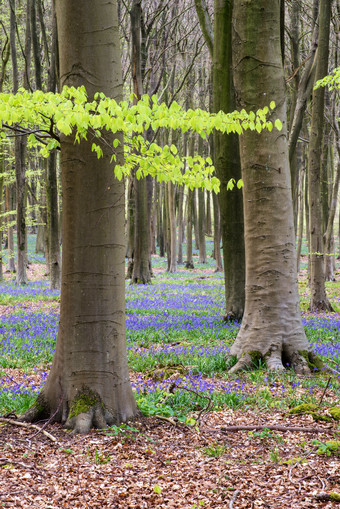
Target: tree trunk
{"x":217,"y":234}
{"x":171,"y":237}
{"x":20,"y":153}
{"x":1,"y":216}
{"x":271,"y":327}
{"x":89,"y":380}
{"x":141,"y":273}
{"x":53,"y":222}
{"x":227,"y":163}
{"x":189,"y":264}
{"x":10,"y":239}
{"x":180,"y":225}
{"x":208,"y":225}
{"x":202,"y":253}
{"x":318,"y":300}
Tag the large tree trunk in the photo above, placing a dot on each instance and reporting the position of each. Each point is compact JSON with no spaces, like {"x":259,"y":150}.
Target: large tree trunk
{"x":20,"y":151}
{"x":318,"y":299}
{"x":89,"y":381}
{"x":51,"y":180}
{"x":271,"y":327}
{"x":227,"y":163}
{"x":141,"y":253}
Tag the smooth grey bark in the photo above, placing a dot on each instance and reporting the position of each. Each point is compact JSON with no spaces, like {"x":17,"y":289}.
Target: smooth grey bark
{"x":189,"y":264}
{"x":52,"y":200}
{"x":217,"y":234}
{"x":271,"y":328}
{"x":141,"y":252}
{"x":10,"y":237}
{"x":202,"y":253}
{"x":88,"y":384}
{"x":318,"y":298}
{"x":20,"y":152}
{"x":227,"y":164}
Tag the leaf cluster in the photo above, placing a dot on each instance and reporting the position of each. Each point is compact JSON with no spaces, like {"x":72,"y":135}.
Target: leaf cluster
{"x":45,"y":116}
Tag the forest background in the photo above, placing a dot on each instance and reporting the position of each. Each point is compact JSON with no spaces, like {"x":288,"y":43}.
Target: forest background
{"x":175,"y":62}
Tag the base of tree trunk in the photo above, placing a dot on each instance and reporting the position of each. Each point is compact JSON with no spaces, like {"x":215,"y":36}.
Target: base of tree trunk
{"x":303,"y":362}
{"x":189,"y":265}
{"x":233,"y":316}
{"x":319,"y":306}
{"x":86,"y":411}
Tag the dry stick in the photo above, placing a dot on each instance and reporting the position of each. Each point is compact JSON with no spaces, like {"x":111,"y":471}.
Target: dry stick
{"x":324,"y":392}
{"x":28,"y":426}
{"x":275,"y":428}
{"x":206,"y":409}
{"x":231,"y":503}
{"x":313,"y":449}
{"x":6,"y":461}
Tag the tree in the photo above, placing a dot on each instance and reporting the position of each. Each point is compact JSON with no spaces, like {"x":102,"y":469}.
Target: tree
{"x":319,"y":300}
{"x":271,"y":328}
{"x":226,"y":154}
{"x":89,"y":381}
{"x":227,"y":163}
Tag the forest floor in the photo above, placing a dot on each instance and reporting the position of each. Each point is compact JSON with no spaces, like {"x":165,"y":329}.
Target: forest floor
{"x":159,"y":463}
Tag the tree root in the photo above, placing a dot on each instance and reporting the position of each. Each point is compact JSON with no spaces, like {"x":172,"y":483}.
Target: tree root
{"x":302,"y":362}
{"x":95,"y":417}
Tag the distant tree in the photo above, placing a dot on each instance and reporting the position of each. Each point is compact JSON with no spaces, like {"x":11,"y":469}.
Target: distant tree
{"x":226,"y":153}
{"x":319,"y":300}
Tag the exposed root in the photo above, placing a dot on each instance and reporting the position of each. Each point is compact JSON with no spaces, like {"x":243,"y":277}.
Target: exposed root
{"x":302,"y":362}
{"x":95,"y":417}
{"x":232,"y":316}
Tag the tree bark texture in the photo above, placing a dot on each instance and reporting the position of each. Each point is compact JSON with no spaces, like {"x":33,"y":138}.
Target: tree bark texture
{"x":227,"y":164}
{"x":318,"y":300}
{"x":89,"y":381}
{"x":271,"y":327}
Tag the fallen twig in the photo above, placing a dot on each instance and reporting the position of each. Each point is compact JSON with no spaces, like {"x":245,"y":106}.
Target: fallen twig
{"x":6,"y":461}
{"x":231,"y":503}
{"x":324,"y":392}
{"x":167,"y":419}
{"x":28,"y":426}
{"x":275,"y":427}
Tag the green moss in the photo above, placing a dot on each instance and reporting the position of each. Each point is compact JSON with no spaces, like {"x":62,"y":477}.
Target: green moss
{"x":83,"y":402}
{"x":256,"y":357}
{"x":335,"y":412}
{"x":293,"y":461}
{"x":318,"y":417}
{"x":334,"y":496}
{"x":305,"y":408}
{"x":313,"y":361}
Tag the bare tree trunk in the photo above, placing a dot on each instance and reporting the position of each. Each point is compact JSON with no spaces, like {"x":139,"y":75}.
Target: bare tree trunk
{"x":271,"y":328}
{"x":88,"y":384}
{"x":20,"y":153}
{"x":10,"y":239}
{"x":172,"y":240}
{"x":319,"y":300}
{"x":227,"y":163}
{"x":202,"y":254}
{"x":189,"y":264}
{"x":217,"y":234}
{"x":180,"y":225}
{"x":141,"y":253}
